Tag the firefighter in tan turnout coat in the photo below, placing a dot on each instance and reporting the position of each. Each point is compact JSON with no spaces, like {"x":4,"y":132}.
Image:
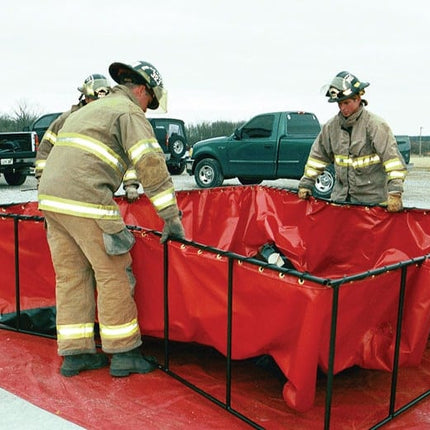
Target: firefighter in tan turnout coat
{"x":88,"y":239}
{"x":94,"y":87}
{"x":368,"y":165}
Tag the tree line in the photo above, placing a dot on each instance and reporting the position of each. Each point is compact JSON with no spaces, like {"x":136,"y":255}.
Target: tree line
{"x":23,"y":117}
{"x":19,"y":120}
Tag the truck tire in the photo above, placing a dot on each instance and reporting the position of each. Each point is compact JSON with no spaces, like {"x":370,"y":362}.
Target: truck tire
{"x":15,"y":178}
{"x":208,"y":173}
{"x":324,"y":184}
{"x":250,"y":181}
{"x":177,"y":146}
{"x":176,"y":169}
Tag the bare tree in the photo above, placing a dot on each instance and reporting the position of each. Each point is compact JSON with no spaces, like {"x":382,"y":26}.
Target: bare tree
{"x":24,"y":116}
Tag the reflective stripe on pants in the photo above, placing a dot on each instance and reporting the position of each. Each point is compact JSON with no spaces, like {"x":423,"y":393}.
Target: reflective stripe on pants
{"x":82,"y":266}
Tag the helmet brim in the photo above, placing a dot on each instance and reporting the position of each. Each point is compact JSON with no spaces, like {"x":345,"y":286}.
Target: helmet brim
{"x":350,"y":92}
{"x":117,"y":69}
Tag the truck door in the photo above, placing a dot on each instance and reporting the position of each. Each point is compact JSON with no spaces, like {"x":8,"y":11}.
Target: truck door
{"x":301,"y":129}
{"x":254,"y":152}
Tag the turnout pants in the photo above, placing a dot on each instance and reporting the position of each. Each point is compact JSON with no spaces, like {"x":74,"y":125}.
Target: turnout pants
{"x":88,"y":278}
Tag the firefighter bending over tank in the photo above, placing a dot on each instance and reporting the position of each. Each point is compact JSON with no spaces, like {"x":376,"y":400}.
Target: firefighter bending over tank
{"x":368,"y":165}
{"x":94,"y":87}
{"x":88,"y":239}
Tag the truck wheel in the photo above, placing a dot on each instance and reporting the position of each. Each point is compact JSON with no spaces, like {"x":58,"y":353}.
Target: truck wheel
{"x":176,"y":169}
{"x":324,"y":184}
{"x":250,"y":181}
{"x":177,"y":146}
{"x":208,"y":173}
{"x":15,"y":178}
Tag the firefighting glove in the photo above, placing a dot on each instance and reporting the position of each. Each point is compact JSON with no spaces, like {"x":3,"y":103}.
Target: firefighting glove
{"x":304,"y":193}
{"x":172,"y":228}
{"x":118,"y":243}
{"x":131,"y":193}
{"x":394,"y":202}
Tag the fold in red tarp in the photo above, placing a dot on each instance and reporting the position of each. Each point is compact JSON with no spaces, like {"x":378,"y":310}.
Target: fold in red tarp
{"x":282,"y":316}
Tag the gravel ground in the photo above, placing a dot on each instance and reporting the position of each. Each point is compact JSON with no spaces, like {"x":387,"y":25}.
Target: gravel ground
{"x":416,"y":186}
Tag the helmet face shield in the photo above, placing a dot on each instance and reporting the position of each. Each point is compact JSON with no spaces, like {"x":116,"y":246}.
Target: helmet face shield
{"x":161,"y":100}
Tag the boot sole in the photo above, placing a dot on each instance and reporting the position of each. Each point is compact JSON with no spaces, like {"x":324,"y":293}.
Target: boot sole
{"x":74,"y":372}
{"x":69,"y":373}
{"x":126,"y":372}
{"x":121,"y":373}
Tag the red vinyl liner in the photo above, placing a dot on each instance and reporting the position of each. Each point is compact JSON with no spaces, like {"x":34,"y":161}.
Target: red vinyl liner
{"x":284,"y":317}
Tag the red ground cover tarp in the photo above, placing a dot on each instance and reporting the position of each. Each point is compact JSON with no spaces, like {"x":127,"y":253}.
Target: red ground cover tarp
{"x":29,"y":368}
{"x":284,"y":317}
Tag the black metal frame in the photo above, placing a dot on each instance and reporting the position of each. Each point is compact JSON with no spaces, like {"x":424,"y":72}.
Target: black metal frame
{"x":334,"y":284}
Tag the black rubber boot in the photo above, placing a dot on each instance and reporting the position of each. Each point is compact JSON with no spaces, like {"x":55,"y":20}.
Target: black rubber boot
{"x":73,"y":364}
{"x":124,"y":363}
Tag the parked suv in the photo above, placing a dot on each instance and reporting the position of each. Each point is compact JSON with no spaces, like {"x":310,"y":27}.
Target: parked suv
{"x":171,"y":136}
{"x":170,"y":133}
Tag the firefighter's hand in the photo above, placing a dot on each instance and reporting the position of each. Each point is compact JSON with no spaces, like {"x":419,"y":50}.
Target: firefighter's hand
{"x":394,"y":202}
{"x":172,"y":228}
{"x":131,"y":193}
{"x":304,"y":193}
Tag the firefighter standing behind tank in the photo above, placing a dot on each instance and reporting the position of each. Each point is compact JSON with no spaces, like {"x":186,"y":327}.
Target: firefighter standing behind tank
{"x":94,"y":87}
{"x":368,"y":165}
{"x":86,"y":233}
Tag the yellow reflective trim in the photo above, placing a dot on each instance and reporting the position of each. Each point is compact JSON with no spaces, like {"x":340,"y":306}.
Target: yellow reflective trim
{"x":95,"y":147}
{"x":119,"y":331}
{"x":316,"y":164}
{"x":75,"y":331}
{"x":50,"y":136}
{"x":142,"y":147}
{"x":396,"y":174}
{"x":311,"y":173}
{"x":130,"y":174}
{"x":342,"y":160}
{"x":40,"y":164}
{"x":164,"y":199}
{"x":314,"y":167}
{"x":365,"y":161}
{"x":357,"y":162}
{"x":75,"y":208}
{"x":393,"y":164}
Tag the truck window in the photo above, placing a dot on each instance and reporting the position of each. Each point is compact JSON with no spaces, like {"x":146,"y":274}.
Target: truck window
{"x":45,"y":120}
{"x":302,"y":123}
{"x":174,"y":128}
{"x":259,"y":127}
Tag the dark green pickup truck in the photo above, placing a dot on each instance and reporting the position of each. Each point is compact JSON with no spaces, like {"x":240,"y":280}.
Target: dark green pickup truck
{"x":269,"y":146}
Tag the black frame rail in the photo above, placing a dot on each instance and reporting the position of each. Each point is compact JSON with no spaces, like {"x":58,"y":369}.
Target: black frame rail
{"x":334,"y":284}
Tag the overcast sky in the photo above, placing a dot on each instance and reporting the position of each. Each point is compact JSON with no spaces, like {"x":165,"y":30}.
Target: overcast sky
{"x":223,"y":60}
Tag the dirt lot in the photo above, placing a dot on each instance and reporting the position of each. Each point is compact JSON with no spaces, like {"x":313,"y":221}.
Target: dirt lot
{"x":416,"y":194}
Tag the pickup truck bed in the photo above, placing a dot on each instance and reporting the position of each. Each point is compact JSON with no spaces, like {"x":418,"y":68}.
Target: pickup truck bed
{"x":17,"y":156}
